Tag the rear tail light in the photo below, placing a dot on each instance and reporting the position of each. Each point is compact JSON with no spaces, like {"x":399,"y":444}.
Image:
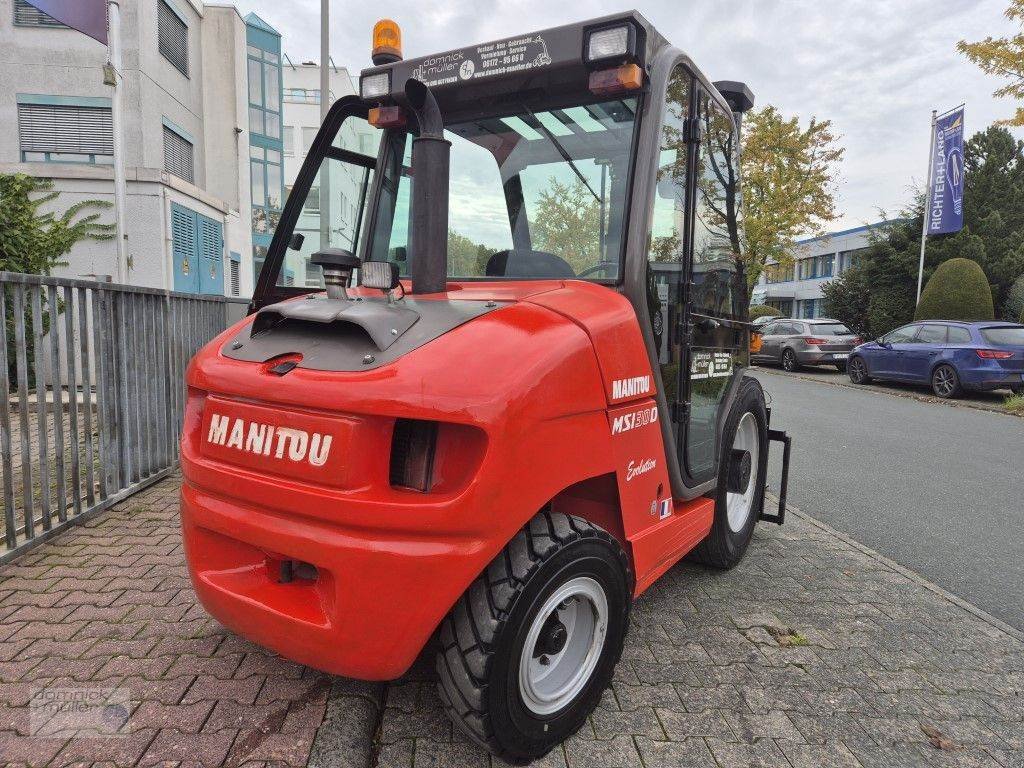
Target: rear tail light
{"x":816,"y":341}
{"x":994,"y":354}
{"x":857,"y":341}
{"x":413,"y":446}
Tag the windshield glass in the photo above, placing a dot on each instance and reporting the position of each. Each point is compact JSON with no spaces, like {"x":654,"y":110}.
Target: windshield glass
{"x":1008,"y":335}
{"x":533,"y":194}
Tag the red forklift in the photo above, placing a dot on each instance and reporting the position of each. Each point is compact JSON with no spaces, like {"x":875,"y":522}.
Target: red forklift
{"x":492,"y":385}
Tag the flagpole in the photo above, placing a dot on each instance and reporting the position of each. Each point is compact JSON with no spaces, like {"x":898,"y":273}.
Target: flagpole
{"x":114,"y":46}
{"x":927,"y":206}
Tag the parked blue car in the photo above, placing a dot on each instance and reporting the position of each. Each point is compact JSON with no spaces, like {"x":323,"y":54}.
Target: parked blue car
{"x":950,"y":356}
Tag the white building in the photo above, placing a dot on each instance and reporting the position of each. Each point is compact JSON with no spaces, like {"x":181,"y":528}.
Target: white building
{"x":336,"y":200}
{"x":795,"y":289}
{"x":202,"y":103}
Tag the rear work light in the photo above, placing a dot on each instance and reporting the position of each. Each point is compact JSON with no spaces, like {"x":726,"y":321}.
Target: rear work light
{"x":610,"y":44}
{"x":994,"y":354}
{"x":375,"y":86}
{"x":413,"y":446}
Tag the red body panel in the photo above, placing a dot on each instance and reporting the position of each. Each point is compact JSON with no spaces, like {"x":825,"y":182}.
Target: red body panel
{"x":523,"y":394}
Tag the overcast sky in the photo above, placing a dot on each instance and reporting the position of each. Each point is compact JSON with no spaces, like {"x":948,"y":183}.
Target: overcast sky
{"x":876,"y":68}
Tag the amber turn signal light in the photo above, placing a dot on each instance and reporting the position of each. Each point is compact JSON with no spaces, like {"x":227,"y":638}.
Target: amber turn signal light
{"x":386,"y":117}
{"x":755,"y":342}
{"x":628,"y":77}
{"x":387,"y":42}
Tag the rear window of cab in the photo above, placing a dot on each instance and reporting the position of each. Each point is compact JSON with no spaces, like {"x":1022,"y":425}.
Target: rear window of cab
{"x":1006,"y":335}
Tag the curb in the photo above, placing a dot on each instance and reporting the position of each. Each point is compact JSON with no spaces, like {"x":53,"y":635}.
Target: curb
{"x":347,"y":735}
{"x":921,"y":398}
{"x":959,"y":602}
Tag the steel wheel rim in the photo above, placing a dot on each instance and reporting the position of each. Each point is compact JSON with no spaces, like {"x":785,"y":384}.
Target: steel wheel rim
{"x":582,"y":607}
{"x":740,"y":505}
{"x":944,"y":381}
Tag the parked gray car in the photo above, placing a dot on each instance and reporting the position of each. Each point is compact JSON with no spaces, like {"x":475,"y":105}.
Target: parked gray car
{"x":794,"y":343}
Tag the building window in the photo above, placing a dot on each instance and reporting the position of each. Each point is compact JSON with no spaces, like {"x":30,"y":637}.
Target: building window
{"x":312,"y":202}
{"x":302,"y":96}
{"x":849,"y":259}
{"x":308,"y":136}
{"x":264,"y":70}
{"x":288,"y":140}
{"x":65,"y":133}
{"x":26,"y":15}
{"x":173,"y":37}
{"x":267,"y":188}
{"x":178,"y":156}
{"x":778,"y":273}
{"x":235,"y":275}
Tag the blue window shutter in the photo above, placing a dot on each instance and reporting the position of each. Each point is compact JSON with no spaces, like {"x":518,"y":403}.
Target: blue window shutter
{"x":211,"y":248}
{"x":185,"y":249}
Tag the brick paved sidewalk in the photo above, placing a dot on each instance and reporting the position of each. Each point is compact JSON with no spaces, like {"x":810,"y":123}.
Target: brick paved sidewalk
{"x":109,"y":606}
{"x":812,"y":653}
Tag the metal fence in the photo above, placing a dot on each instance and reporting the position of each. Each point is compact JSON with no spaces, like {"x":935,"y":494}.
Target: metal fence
{"x":94,"y":376}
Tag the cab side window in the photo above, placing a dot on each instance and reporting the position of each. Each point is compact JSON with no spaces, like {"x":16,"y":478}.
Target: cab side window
{"x":932,"y":334}
{"x":959,"y":335}
{"x":665,"y":254}
{"x":904,"y":335}
{"x":718,"y":287}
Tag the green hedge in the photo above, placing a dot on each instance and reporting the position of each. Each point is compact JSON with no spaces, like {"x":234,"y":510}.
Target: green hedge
{"x":958,"y":290}
{"x":763,"y":310}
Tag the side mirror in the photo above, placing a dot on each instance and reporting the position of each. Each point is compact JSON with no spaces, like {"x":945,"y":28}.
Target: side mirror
{"x":296,"y":240}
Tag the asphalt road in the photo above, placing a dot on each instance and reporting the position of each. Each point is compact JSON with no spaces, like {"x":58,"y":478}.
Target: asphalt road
{"x":938,"y":489}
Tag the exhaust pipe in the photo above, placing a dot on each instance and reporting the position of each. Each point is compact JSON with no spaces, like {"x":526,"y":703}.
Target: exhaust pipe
{"x":428,"y":242}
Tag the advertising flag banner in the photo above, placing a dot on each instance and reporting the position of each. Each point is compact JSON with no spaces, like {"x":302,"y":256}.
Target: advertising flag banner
{"x":87,"y":16}
{"x":946,"y":196}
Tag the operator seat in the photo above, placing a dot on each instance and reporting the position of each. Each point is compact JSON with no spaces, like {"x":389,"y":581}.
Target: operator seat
{"x":526,"y":263}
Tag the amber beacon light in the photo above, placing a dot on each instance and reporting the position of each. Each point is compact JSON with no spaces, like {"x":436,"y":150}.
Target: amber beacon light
{"x":387,"y":42}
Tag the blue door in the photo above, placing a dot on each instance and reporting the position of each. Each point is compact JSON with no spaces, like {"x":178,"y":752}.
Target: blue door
{"x":198,"y":252}
{"x":185,"y":249}
{"x":919,"y":355}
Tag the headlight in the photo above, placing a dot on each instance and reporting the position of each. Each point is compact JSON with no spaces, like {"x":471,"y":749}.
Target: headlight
{"x":375,"y":86}
{"x":618,"y":42}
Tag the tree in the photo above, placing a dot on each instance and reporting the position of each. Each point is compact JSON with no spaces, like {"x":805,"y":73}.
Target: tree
{"x":957,"y":291}
{"x":1003,"y":57}
{"x":568,"y":222}
{"x":35,"y":242}
{"x":763,"y":310}
{"x":789,"y":183}
{"x":1013,"y":309}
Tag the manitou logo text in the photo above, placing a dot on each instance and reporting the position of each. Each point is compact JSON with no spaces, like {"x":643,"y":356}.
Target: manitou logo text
{"x":267,"y":440}
{"x":638,"y":385}
{"x":640,"y":418}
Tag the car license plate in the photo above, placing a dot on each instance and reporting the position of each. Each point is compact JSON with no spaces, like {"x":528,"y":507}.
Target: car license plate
{"x":841,"y":355}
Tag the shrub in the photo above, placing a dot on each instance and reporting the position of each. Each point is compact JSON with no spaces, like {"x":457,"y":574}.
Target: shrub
{"x":763,"y":310}
{"x":957,"y":290}
{"x":888,"y":309}
{"x":1014,"y":307}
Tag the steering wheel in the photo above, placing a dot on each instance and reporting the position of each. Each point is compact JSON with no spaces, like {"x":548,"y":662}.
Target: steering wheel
{"x":604,"y":265}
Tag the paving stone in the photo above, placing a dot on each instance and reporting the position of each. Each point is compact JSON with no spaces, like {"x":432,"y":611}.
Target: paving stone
{"x":703,"y":678}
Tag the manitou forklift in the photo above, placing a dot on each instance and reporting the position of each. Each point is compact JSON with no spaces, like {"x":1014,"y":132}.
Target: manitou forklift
{"x":492,"y":382}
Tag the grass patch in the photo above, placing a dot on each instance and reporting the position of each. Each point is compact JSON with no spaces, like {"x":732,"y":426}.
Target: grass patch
{"x":1014,"y":404}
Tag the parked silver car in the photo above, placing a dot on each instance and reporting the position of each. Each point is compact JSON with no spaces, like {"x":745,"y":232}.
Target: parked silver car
{"x":794,"y":343}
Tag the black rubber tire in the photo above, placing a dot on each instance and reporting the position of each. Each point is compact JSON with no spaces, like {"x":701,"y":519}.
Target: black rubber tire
{"x":841,"y":367}
{"x":857,"y":368}
{"x":957,"y":389}
{"x":723,"y":547}
{"x":789,"y":361}
{"x":482,"y":638}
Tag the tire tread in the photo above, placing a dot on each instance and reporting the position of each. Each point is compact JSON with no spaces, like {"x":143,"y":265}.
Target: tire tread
{"x":469,"y":632}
